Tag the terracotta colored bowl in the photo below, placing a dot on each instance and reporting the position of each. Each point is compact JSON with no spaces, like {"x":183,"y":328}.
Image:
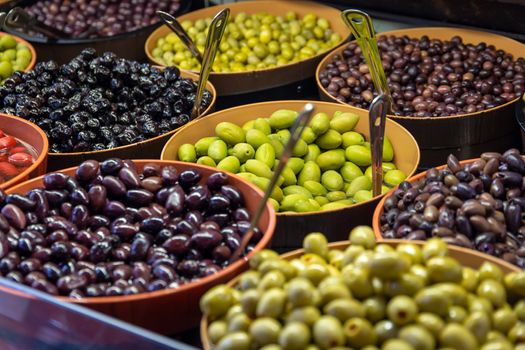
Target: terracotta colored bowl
{"x":147,"y":149}
{"x":291,"y":226}
{"x":467,"y":135}
{"x":33,"y":135}
{"x":170,"y":311}
{"x":465,"y":257}
{"x":29,"y":46}
{"x":243,"y":82}
{"x":376,"y":225}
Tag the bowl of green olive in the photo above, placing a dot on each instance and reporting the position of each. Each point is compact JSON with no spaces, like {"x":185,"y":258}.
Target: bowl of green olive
{"x":266,"y":43}
{"x":363,"y":294}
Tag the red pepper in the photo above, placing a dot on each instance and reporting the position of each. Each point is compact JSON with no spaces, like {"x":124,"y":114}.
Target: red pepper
{"x":20,"y":159}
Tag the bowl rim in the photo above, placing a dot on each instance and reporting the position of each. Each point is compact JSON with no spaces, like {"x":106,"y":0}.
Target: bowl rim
{"x":83,"y":41}
{"x":265,"y":240}
{"x":31,"y":48}
{"x":37,"y":162}
{"x":183,"y":74}
{"x":379,"y":208}
{"x":247,"y":4}
{"x":340,"y":245}
{"x":410,"y":31}
{"x":316,"y":103}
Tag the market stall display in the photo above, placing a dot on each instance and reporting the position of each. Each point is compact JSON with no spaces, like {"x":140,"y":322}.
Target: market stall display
{"x":115,"y":236}
{"x":100,"y":106}
{"x":23,"y":151}
{"x":360,"y":293}
{"x":104,"y":25}
{"x":304,"y":170}
{"x":475,"y":204}
{"x":461,"y":82}
{"x":288,"y":57}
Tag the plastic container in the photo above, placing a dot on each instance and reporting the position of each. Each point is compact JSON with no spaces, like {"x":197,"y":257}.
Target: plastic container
{"x":466,"y":135}
{"x":466,"y":257}
{"x":34,"y":136}
{"x":291,"y":226}
{"x":148,"y":149}
{"x":250,"y":81}
{"x":170,"y":311}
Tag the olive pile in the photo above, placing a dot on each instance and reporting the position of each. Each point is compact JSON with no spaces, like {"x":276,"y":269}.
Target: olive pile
{"x":429,"y":77}
{"x":330,"y":164}
{"x":252,"y":42}
{"x":478,"y":205}
{"x":99,"y":18}
{"x":100,"y":102}
{"x":13,"y":56}
{"x":114,"y":230}
{"x":368,"y":296}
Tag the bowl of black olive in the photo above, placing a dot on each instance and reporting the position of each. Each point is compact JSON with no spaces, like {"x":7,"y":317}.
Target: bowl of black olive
{"x":140,"y":240}
{"x":454,"y":89}
{"x":100,"y":106}
{"x":106,"y":25}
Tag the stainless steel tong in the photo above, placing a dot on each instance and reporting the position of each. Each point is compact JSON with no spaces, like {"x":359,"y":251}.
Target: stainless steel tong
{"x":18,"y":20}
{"x":301,"y":122}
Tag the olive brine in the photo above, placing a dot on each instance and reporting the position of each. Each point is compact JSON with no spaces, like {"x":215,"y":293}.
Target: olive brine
{"x":97,"y":102}
{"x":115,"y":228}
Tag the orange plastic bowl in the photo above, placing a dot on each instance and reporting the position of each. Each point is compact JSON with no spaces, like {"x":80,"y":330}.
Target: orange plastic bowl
{"x":29,"y":46}
{"x":170,"y":311}
{"x":33,"y":135}
{"x":376,"y":224}
{"x":466,"y":257}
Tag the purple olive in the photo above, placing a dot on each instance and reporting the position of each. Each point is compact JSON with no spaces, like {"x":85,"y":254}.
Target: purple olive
{"x":220,"y":218}
{"x":211,"y":225}
{"x":42,"y":253}
{"x":206,"y":239}
{"x":178,"y":244}
{"x":164,"y":272}
{"x":188,"y":268}
{"x":114,"y":186}
{"x":111,"y":166}
{"x":152,"y":184}
{"x":100,"y":251}
{"x":55,"y":181}
{"x":152,"y":225}
{"x":198,"y":198}
{"x":222,"y":253}
{"x":218,"y":203}
{"x":15,"y":216}
{"x":139,"y":248}
{"x":139,"y":197}
{"x":67,"y":283}
{"x":194,"y":217}
{"x":217,"y":180}
{"x":97,"y":197}
{"x":241,"y":214}
{"x":163,"y":235}
{"x":45,"y":286}
{"x":156,"y":285}
{"x":51,"y":271}
{"x":151,"y":169}
{"x":233,"y":194}
{"x":169,"y":175}
{"x":189,"y":178}
{"x":122,"y":252}
{"x":29,"y":265}
{"x":22,"y":202}
{"x":129,"y":177}
{"x":97,"y":221}
{"x":174,"y":203}
{"x":87,"y":170}
{"x":186,"y":228}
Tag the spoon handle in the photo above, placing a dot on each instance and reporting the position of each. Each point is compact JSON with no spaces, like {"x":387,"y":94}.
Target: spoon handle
{"x":296,"y":131}
{"x":215,"y":33}
{"x":360,"y":24}
{"x":377,"y":118}
{"x":176,"y":27}
{"x":18,"y":18}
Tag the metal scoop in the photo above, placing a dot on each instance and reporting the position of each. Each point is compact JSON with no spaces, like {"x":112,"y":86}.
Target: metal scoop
{"x":377,"y":119}
{"x":18,"y":18}
{"x":360,"y":24}
{"x":176,"y":27}
{"x":295,"y":134}
{"x":215,"y":33}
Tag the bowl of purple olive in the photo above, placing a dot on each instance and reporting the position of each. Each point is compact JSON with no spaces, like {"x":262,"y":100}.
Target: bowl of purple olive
{"x":475,"y":204}
{"x":461,"y":84}
{"x":100,"y":106}
{"x":139,"y":240}
{"x":103,"y":24}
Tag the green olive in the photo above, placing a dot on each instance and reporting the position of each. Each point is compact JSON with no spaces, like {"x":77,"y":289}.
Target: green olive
{"x":300,"y":292}
{"x":401,"y":310}
{"x":359,"y":155}
{"x":363,"y":236}
{"x":434,"y":324}
{"x":217,"y":330}
{"x":265,"y":330}
{"x":328,"y":332}
{"x":271,"y":303}
{"x":385,"y":330}
{"x":396,"y":344}
{"x":217,"y":301}
{"x":344,"y":122}
{"x":375,"y":308}
{"x":294,"y":336}
{"x":492,"y":291}
{"x":230,"y":133}
{"x":235,"y":341}
{"x":444,"y":269}
{"x":359,"y":332}
{"x":307,"y":315}
{"x":418,"y":336}
{"x":316,"y":243}
{"x":458,"y":337}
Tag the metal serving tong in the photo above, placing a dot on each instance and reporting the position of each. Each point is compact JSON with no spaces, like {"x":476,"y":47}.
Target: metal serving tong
{"x":296,"y":131}
{"x":19,"y":20}
{"x":215,"y":33}
{"x":377,"y":119}
{"x":360,"y":24}
{"x":176,"y":27}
